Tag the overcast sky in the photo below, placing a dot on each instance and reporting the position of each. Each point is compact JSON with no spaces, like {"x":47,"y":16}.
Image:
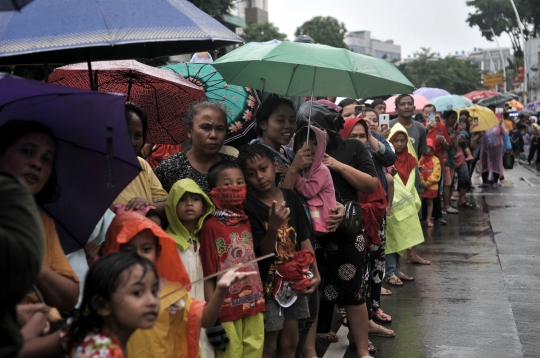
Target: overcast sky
{"x":438,"y":24}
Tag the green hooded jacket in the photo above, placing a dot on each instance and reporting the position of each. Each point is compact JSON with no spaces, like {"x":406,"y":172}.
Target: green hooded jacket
{"x":176,"y":229}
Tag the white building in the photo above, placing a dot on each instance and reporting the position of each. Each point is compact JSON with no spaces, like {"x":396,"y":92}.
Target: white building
{"x":532,"y":51}
{"x":362,"y":42}
{"x":490,"y":59}
{"x":247,"y":12}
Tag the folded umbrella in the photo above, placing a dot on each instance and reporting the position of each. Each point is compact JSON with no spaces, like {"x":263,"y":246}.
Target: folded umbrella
{"x":239,"y":102}
{"x":164,"y":96}
{"x":431,"y":92}
{"x":95,"y":160}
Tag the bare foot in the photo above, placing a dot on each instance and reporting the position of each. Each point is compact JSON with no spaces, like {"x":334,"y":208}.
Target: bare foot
{"x":417,"y":260}
{"x":385,"y":292}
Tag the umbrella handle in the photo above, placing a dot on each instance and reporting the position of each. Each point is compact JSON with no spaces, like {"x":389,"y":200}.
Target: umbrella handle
{"x":110,"y":157}
{"x":263,"y":87}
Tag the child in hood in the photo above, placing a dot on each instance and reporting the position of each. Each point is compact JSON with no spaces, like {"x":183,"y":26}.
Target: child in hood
{"x":316,"y":183}
{"x":187,"y":207}
{"x":430,"y":174}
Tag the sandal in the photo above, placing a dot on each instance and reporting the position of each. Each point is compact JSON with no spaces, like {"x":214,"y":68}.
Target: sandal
{"x":451,"y":210}
{"x":383,"y":332}
{"x":466,"y":204}
{"x":329,"y":337}
{"x":404,"y":277}
{"x":385,"y":292}
{"x":430,"y":223}
{"x":380,"y":317}
{"x":393,"y":280}
{"x":371,"y":348}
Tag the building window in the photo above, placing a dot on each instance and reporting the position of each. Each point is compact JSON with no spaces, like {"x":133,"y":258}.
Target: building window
{"x":358,"y":49}
{"x":387,"y":55}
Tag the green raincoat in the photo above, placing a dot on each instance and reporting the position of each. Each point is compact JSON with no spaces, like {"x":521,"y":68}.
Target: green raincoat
{"x":403,"y":226}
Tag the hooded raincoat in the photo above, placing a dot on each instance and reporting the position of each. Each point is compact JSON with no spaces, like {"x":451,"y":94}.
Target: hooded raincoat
{"x":187,"y":245}
{"x":177,"y":330}
{"x":317,"y":187}
{"x":431,"y":173}
{"x":403,"y":226}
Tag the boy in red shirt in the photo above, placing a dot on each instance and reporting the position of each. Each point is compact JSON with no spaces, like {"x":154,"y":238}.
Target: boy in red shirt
{"x":226,"y":241}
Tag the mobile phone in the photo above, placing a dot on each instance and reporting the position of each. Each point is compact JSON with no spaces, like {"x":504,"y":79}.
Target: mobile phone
{"x":384,"y":121}
{"x":359,"y":109}
{"x":431,"y":117}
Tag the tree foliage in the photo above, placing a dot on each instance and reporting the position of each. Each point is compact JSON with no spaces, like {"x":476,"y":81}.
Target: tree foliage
{"x":324,"y":30}
{"x":450,"y":73}
{"x":214,"y":7}
{"x":261,"y":32}
{"x":500,"y":15}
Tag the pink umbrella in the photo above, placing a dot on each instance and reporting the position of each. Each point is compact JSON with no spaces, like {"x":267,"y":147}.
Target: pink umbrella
{"x":419,"y":102}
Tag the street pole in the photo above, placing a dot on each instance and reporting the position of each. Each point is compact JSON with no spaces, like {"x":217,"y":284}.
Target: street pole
{"x":525,"y":82}
{"x":502,"y":59}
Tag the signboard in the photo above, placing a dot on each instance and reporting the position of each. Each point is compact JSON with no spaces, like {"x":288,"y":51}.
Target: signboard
{"x":492,"y":80}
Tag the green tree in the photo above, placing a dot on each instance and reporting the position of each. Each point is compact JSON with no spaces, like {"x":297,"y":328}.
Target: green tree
{"x":499,"y":15}
{"x":452,"y":74}
{"x":214,"y":7}
{"x":324,"y":30}
{"x":264,"y":31}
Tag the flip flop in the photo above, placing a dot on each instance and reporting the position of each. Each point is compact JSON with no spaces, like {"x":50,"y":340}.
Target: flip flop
{"x":384,"y":318}
{"x":329,"y":337}
{"x":466,"y":204}
{"x":393,"y":280}
{"x":383,"y":332}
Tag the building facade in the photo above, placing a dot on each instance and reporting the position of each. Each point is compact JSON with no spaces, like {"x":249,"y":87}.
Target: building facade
{"x":362,"y":42}
{"x":532,"y":51}
{"x":490,"y":60}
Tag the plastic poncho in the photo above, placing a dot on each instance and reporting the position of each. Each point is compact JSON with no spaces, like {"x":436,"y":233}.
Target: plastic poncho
{"x":403,"y":226}
{"x":177,"y":329}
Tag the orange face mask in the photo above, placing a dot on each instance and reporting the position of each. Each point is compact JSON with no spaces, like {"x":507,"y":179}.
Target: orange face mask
{"x":229,"y":201}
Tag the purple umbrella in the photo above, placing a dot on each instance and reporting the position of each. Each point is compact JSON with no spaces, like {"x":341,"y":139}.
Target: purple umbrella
{"x":532,"y":106}
{"x":430,"y":92}
{"x":95,"y":159}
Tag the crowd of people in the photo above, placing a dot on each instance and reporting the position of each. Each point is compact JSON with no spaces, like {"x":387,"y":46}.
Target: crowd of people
{"x":217,"y":251}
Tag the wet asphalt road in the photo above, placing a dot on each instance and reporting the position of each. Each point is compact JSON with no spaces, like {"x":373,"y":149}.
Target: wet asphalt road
{"x":481,"y":295}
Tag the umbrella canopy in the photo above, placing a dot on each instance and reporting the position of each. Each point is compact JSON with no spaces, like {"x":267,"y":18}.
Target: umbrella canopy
{"x":419,"y":102}
{"x":476,"y":96}
{"x":303,"y":69}
{"x":12,"y":5}
{"x":498,"y":100}
{"x":450,"y":102}
{"x":94,"y":156}
{"x":164,"y":96}
{"x":65,"y":31}
{"x":532,"y":106}
{"x":240,"y":102}
{"x":486,"y":118}
{"x":516,"y":104}
{"x":430,"y":92}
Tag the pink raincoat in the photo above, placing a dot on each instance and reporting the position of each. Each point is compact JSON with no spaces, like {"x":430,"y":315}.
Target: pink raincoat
{"x":491,"y":150}
{"x":317,"y":187}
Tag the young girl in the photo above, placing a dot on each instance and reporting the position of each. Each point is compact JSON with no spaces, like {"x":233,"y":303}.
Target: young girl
{"x":430,"y":175}
{"x":403,"y":226}
{"x":120,"y":296}
{"x":316,"y":183}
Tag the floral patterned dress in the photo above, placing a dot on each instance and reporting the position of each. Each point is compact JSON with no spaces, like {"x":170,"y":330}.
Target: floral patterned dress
{"x":97,"y":345}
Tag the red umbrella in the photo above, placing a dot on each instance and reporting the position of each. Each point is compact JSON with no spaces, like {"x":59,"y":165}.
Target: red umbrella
{"x":476,"y":96}
{"x":163,"y":95}
{"x":419,"y":102}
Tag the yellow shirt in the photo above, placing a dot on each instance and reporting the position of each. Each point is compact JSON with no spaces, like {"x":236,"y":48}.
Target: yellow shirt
{"x":146,"y":185}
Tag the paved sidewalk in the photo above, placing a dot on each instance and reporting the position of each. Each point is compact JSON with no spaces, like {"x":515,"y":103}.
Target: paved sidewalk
{"x":481,"y":295}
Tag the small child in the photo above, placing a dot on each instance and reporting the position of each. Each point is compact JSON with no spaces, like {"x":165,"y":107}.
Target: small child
{"x":226,"y":241}
{"x":526,"y":140}
{"x":430,"y":176}
{"x":120,"y":297}
{"x":316,"y":183}
{"x":279,"y":226}
{"x":186,"y":209}
{"x":403,"y":226}
{"x":517,"y":140}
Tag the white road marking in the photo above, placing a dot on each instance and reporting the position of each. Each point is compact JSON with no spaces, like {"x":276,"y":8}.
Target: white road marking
{"x":338,"y":349}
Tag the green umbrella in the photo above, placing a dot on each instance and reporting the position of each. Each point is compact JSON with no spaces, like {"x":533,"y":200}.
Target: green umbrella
{"x":240,"y":102}
{"x":302,"y":69}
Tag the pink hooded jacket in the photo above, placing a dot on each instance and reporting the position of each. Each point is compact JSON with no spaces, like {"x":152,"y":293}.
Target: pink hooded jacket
{"x":317,"y":187}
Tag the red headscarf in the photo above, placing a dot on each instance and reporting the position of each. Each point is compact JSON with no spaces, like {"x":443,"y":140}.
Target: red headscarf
{"x":405,"y":162}
{"x":349,"y":125}
{"x":127,"y":225}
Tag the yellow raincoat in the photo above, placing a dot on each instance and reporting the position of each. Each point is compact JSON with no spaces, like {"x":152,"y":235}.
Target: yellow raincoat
{"x":403,"y":229}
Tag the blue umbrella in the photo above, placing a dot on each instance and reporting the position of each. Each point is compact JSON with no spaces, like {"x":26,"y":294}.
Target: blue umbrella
{"x":450,"y":102}
{"x":95,"y":159}
{"x":67,"y":31}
